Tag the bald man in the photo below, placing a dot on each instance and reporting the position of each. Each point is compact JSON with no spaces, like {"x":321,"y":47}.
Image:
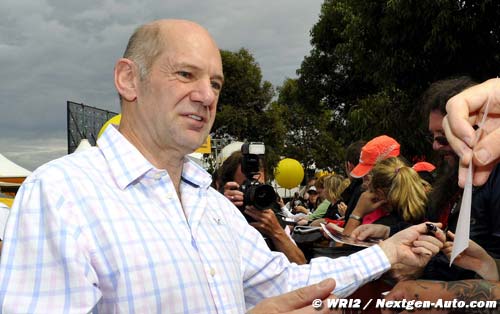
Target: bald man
{"x":133,"y":226}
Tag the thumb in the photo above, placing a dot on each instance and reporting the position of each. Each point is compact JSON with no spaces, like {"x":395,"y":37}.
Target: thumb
{"x":304,"y":296}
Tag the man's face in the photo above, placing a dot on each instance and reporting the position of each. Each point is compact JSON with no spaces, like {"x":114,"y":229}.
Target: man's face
{"x":313,"y":197}
{"x":177,"y":100}
{"x":239,"y":176}
{"x":439,"y":142}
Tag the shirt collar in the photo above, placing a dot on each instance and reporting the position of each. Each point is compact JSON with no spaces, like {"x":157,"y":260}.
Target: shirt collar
{"x":127,"y":164}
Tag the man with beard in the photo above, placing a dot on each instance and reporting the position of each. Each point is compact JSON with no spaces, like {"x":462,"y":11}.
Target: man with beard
{"x":445,"y":198}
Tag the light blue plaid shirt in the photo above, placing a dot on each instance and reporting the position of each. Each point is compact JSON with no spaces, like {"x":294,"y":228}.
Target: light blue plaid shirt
{"x":104,"y":231}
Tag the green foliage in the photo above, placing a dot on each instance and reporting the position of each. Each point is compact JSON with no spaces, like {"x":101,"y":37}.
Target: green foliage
{"x":244,"y":111}
{"x":372,"y":60}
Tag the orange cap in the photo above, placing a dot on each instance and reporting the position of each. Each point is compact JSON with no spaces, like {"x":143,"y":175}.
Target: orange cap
{"x":377,"y":149}
{"x":424,"y":166}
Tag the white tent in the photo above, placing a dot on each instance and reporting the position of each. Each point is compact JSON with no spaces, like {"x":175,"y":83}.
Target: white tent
{"x":227,"y":151}
{"x":11,"y":172}
{"x":84,"y":145}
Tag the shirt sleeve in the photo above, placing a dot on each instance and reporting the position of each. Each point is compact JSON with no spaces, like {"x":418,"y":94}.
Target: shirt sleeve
{"x":42,"y":264}
{"x":320,"y":211}
{"x":267,"y":273}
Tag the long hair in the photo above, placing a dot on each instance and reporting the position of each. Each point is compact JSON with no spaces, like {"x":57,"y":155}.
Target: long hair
{"x":228,"y":169}
{"x":404,"y":190}
{"x":334,"y":186}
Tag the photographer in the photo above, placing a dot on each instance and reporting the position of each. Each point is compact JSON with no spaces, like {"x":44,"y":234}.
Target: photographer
{"x":230,"y":180}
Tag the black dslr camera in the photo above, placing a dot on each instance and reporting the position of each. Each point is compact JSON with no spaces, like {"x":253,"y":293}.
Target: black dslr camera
{"x":261,"y":196}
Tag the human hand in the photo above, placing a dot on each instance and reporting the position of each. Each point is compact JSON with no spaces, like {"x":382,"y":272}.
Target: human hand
{"x":298,"y":301}
{"x":265,"y":221}
{"x":302,"y":222}
{"x":368,"y":202}
{"x":474,"y":258}
{"x":413,"y":246}
{"x":466,"y":110}
{"x":362,"y":232}
{"x":232,"y":192}
{"x":342,"y":208}
{"x":403,"y":272}
{"x":300,"y":209}
{"x":422,"y":290}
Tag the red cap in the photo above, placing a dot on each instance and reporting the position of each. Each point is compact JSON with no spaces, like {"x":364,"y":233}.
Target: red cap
{"x":377,"y":149}
{"x":424,"y":166}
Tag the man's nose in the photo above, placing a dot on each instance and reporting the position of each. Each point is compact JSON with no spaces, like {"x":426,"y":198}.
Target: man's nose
{"x":203,"y":93}
{"x":436,"y":145}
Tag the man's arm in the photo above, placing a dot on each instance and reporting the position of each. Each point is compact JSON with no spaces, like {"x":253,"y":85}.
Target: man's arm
{"x":462,"y":290}
{"x":43,"y":266}
{"x":320,"y":211}
{"x":267,"y":223}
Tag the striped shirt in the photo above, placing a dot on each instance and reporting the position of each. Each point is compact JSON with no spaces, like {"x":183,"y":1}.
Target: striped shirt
{"x":104,"y":231}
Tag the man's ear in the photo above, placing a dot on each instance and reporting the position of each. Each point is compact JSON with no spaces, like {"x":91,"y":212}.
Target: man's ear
{"x":125,"y":79}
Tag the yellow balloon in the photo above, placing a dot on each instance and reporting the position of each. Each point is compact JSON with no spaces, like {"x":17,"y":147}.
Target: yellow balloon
{"x":114,"y":120}
{"x":289,"y":173}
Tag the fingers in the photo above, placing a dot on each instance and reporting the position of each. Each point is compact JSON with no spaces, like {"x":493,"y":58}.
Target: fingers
{"x":233,"y":194}
{"x":304,"y":296}
{"x":363,"y":232}
{"x":423,"y":229}
{"x":429,"y":243}
{"x":464,"y":111}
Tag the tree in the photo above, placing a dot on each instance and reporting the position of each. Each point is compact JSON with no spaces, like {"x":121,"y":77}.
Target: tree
{"x":372,"y":60}
{"x":244,"y":105}
{"x":308,"y":137}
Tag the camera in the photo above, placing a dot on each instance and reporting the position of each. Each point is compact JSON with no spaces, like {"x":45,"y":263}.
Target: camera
{"x":261,"y":196}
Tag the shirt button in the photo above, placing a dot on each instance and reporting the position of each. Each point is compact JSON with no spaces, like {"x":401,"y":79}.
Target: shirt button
{"x":212,"y":271}
{"x":158,"y":176}
{"x":170,"y":195}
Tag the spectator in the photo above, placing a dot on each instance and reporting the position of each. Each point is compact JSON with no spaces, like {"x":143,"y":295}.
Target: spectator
{"x":378,"y":148}
{"x":321,"y":199}
{"x":463,"y":112}
{"x":445,"y":199}
{"x":276,"y":234}
{"x":352,"y":193}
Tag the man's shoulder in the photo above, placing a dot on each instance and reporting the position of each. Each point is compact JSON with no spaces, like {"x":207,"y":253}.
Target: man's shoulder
{"x":70,"y":166}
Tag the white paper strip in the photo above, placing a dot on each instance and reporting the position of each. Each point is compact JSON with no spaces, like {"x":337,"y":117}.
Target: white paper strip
{"x":461,"y":241}
{"x":462,"y":232}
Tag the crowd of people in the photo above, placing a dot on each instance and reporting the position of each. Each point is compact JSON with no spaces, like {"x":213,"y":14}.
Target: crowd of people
{"x":132,"y":225}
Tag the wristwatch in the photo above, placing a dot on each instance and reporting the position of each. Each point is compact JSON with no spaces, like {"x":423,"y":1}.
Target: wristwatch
{"x":355,"y":217}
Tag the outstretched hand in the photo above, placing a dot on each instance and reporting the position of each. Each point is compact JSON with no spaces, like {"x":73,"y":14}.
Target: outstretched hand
{"x":474,"y":258}
{"x":298,"y":301}
{"x":413,"y":246}
{"x":466,"y":110}
{"x":362,"y":232}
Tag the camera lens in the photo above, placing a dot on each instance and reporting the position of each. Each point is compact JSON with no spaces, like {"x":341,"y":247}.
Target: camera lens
{"x":261,"y":196}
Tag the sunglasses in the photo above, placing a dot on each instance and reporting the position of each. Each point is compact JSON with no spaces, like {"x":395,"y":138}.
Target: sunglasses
{"x":441,"y":140}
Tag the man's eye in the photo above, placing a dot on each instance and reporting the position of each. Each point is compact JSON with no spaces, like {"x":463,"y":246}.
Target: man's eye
{"x":185,"y":74}
{"x":216,"y":85}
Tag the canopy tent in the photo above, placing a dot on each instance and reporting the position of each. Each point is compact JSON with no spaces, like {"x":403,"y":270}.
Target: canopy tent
{"x":227,"y":151}
{"x":12,"y":172}
{"x":84,"y":145}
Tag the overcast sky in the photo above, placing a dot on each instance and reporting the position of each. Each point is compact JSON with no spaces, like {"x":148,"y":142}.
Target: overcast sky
{"x":52,"y":51}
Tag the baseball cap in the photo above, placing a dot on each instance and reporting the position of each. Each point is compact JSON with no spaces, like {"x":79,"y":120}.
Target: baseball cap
{"x":312,"y":188}
{"x":423,"y":166}
{"x":379,"y":148}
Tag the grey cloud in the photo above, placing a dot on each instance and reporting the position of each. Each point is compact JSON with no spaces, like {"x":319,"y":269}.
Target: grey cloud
{"x":57,"y":50}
